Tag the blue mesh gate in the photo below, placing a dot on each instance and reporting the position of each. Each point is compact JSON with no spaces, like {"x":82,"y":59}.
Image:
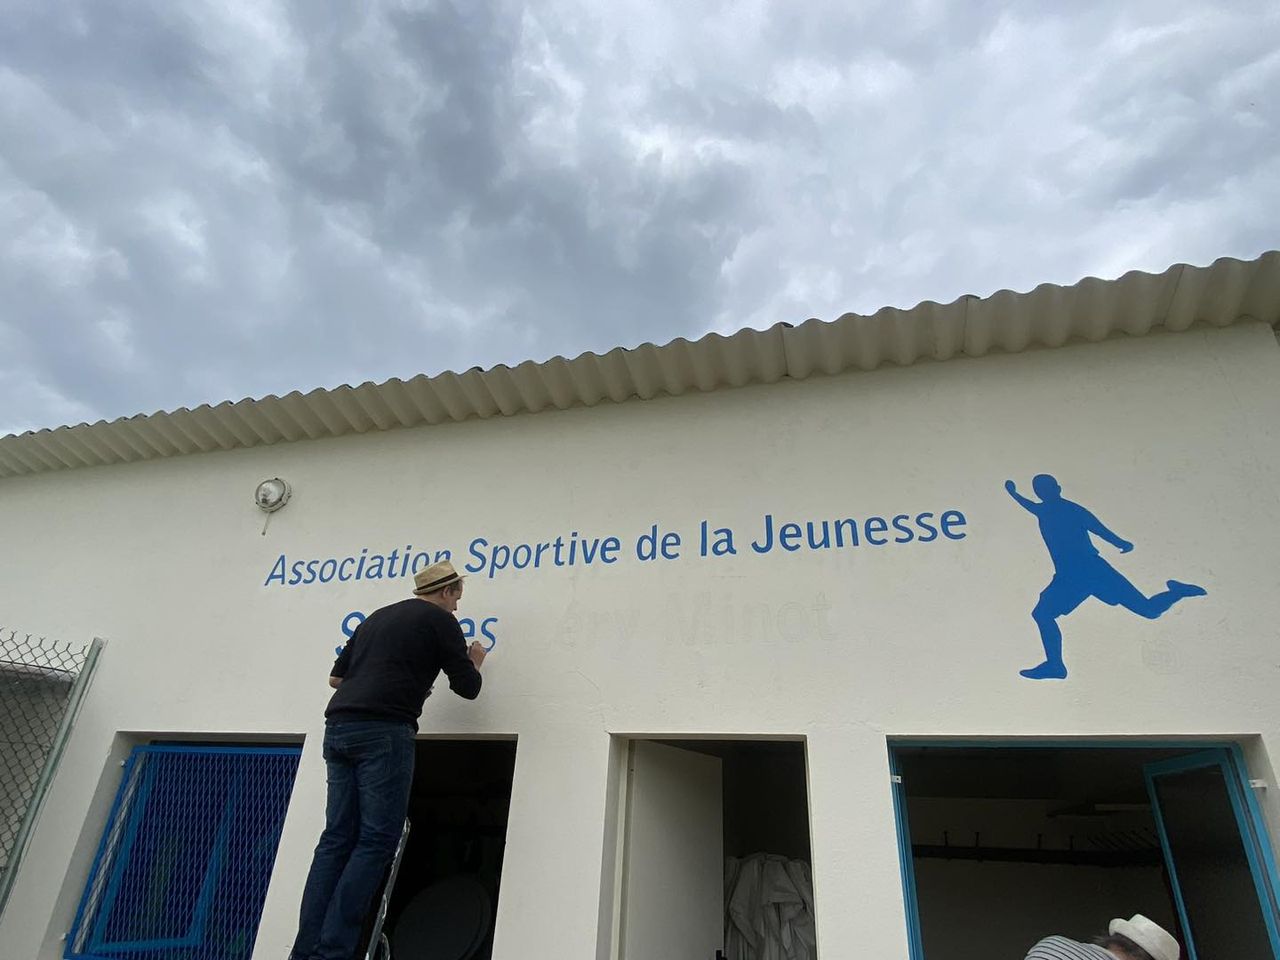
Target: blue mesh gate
{"x":186,"y":855}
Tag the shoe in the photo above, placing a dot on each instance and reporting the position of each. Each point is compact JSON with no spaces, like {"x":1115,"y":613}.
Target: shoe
{"x":1186,"y":589}
{"x":1046,"y":671}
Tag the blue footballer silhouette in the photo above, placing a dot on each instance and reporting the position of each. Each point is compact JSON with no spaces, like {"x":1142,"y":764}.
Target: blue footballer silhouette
{"x":1079,"y":572}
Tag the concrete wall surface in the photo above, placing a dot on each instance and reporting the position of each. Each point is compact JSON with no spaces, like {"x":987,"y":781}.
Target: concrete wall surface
{"x":1171,"y":440}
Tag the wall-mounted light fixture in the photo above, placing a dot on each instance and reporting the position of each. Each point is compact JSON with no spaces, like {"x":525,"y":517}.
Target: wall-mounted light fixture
{"x":270,"y":496}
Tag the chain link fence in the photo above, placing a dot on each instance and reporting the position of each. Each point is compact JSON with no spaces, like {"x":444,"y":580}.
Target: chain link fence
{"x":41,"y":682}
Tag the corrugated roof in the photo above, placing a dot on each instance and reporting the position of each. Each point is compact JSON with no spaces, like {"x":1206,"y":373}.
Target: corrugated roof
{"x":1137,"y":303}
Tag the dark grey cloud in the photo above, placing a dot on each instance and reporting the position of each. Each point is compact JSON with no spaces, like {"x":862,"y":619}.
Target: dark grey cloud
{"x":208,"y":200}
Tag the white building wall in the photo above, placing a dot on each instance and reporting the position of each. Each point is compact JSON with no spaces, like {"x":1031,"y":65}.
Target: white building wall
{"x":1173,"y":440}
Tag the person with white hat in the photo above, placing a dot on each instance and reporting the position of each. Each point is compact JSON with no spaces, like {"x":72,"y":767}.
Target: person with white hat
{"x":1137,"y":938}
{"x":382,"y":677}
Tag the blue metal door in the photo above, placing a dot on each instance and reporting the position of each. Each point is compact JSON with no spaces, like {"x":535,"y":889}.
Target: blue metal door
{"x":184,"y":861}
{"x":1217,"y":854}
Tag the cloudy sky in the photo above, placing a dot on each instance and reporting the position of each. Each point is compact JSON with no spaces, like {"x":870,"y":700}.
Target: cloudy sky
{"x":202,"y":201}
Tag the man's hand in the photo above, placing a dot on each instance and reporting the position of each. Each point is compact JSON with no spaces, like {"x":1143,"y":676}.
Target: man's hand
{"x":1124,"y":546}
{"x":477,"y":653}
{"x":1011,"y":486}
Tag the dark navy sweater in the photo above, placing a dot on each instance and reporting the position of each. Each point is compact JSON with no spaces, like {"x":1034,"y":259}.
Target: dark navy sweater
{"x":393,"y":658}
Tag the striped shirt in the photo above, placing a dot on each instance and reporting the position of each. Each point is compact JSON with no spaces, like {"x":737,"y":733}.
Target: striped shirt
{"x":1060,"y":948}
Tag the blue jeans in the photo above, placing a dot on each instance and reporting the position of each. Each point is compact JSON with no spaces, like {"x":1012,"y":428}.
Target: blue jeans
{"x":370,"y":765}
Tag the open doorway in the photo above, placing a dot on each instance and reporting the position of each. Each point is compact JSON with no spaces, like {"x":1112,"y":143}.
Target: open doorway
{"x":1007,"y":844}
{"x":715,"y":851}
{"x":444,"y":891}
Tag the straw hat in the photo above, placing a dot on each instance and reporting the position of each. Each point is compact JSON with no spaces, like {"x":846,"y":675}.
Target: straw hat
{"x":435,"y":577}
{"x":1147,"y":934}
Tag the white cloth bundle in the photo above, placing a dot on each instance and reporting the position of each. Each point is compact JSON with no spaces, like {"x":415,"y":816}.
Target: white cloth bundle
{"x":768,"y":909}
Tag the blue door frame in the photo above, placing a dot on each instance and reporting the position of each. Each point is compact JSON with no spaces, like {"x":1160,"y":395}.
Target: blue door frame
{"x":1248,"y":812}
{"x":904,"y":858}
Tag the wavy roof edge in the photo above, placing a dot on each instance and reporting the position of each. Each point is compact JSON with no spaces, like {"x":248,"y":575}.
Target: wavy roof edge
{"x":1050,"y":315}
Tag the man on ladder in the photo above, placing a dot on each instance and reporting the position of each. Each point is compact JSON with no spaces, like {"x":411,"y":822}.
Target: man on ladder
{"x":382,"y":678}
